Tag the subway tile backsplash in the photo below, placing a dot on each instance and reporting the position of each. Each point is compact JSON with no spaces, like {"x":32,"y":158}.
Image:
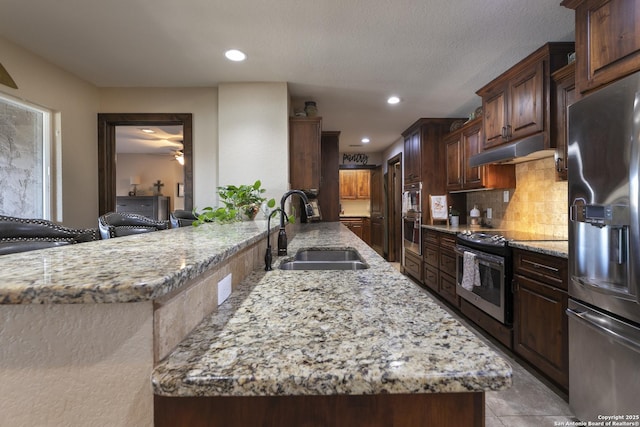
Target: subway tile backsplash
{"x":537,"y":204}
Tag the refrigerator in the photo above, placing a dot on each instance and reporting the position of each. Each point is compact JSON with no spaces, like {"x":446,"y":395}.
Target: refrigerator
{"x":604,"y":253}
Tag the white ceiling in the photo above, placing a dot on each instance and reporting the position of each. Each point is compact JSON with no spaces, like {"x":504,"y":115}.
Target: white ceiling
{"x":162,"y":140}
{"x":348,"y":56}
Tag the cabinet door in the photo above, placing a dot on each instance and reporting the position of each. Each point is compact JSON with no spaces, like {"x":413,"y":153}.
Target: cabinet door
{"x":494,"y":106}
{"x":472,"y":144}
{"x":565,"y":95}
{"x":347,"y":184}
{"x":453,"y":149}
{"x":304,"y":152}
{"x":363,"y":184}
{"x":607,"y":41}
{"x":526,"y":100}
{"x":412,"y":158}
{"x":540,"y":327}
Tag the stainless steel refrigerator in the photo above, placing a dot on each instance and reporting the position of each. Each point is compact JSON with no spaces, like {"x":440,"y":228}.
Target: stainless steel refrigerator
{"x":604,"y":252}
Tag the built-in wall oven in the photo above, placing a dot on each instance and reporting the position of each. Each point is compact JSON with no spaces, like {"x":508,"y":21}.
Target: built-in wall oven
{"x":412,"y":218}
{"x":483,"y":263}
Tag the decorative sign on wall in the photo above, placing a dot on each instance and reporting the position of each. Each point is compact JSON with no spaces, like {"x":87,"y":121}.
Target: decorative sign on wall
{"x":355,"y":158}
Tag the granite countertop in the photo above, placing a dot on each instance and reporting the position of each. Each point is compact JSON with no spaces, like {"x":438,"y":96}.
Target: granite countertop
{"x":124,"y":269}
{"x":368,"y":331}
{"x":559,"y":249}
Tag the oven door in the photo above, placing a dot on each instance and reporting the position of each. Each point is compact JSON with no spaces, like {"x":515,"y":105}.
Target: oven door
{"x":412,"y":232}
{"x":490,"y":296}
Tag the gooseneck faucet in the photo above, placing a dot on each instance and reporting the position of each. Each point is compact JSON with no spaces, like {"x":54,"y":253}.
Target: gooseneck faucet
{"x":282,"y":234}
{"x":267,"y":256}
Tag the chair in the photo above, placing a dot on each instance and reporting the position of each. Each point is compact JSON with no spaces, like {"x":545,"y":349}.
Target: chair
{"x":25,"y":234}
{"x":115,"y":224}
{"x":181,"y":218}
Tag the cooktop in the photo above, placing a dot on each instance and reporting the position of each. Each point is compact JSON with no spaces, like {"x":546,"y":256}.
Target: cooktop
{"x":502,"y":237}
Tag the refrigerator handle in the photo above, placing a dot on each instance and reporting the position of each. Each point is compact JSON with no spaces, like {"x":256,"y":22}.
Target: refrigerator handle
{"x":622,"y":244}
{"x":603,"y":325}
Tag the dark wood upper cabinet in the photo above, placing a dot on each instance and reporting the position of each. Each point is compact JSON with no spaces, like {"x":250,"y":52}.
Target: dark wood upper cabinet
{"x":607,"y":41}
{"x":462,"y":144}
{"x":564,"y":87}
{"x":304,"y":152}
{"x":517,"y":103}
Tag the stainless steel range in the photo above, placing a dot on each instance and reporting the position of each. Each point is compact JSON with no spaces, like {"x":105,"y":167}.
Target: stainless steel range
{"x":484,"y":269}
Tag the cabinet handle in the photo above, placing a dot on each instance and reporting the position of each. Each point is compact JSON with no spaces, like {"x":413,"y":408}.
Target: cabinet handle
{"x":509,"y":131}
{"x":503,"y":134}
{"x":559,"y":162}
{"x":537,"y":266}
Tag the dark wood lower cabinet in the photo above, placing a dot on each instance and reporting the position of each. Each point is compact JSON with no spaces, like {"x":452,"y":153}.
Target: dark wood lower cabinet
{"x":413,"y":265}
{"x":540,"y":318}
{"x":398,"y":410}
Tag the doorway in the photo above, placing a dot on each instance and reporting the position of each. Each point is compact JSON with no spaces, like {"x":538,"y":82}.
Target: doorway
{"x":107,"y":124}
{"x":394,"y":208}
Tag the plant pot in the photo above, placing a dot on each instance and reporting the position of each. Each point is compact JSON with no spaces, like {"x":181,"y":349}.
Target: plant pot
{"x":249,"y":212}
{"x":454,"y":221}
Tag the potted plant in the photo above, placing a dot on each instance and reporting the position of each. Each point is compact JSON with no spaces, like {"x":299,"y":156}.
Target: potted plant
{"x":240,"y":202}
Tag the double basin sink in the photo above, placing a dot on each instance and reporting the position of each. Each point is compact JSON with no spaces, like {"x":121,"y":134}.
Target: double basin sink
{"x":325,"y":259}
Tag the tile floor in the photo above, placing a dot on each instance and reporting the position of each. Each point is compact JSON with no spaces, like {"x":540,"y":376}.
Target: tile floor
{"x":531,"y":402}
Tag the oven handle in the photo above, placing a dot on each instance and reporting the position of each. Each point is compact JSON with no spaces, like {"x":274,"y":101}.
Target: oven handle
{"x":481,"y":256}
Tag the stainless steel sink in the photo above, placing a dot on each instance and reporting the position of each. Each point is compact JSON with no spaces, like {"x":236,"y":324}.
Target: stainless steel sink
{"x":325,"y":259}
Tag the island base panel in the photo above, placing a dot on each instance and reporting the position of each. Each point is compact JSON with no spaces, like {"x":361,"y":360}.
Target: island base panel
{"x":398,"y":410}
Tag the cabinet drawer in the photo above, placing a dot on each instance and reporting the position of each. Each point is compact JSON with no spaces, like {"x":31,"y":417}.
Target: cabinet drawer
{"x":448,"y":263}
{"x":448,"y":289}
{"x":413,"y":266}
{"x":448,"y":241}
{"x":431,"y":277}
{"x":545,"y":268}
{"x":431,"y":237}
{"x":431,"y":256}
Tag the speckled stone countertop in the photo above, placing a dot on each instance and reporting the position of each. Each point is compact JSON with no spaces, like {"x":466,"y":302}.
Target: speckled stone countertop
{"x":124,"y":269}
{"x":559,"y":249}
{"x":329,"y":332}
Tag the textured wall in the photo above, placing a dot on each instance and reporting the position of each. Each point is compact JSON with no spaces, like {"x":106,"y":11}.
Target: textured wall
{"x":538,"y":203}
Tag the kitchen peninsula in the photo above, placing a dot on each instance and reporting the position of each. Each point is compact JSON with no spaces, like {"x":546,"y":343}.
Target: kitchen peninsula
{"x":362,"y":347}
{"x":84,"y":327}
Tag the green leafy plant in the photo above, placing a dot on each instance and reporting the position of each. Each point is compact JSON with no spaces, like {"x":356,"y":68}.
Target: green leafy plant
{"x":237,"y":200}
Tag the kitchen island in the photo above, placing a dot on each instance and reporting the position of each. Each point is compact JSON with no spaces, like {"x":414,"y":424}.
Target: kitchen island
{"x":363,"y":347}
{"x":82,"y":326}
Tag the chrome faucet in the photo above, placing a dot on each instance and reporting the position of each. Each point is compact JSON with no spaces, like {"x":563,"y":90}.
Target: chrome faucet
{"x":282,"y":234}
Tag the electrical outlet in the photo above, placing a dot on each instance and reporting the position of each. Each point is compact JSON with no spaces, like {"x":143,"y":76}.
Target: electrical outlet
{"x":224,"y":289}
{"x":505,"y":196}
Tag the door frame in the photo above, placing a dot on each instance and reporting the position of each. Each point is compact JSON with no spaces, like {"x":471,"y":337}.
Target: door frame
{"x":107,"y":123}
{"x":394,"y":206}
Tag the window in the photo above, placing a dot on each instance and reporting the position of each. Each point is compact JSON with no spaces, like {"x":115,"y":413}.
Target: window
{"x":25,"y":160}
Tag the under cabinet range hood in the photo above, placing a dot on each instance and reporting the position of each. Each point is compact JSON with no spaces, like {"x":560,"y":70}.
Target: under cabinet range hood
{"x":524,"y":150}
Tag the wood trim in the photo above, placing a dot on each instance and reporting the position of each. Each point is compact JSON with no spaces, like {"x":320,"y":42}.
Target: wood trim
{"x":107,"y":123}
{"x":399,"y":410}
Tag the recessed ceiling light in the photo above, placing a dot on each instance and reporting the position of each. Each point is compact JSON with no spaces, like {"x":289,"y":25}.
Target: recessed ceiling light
{"x":145,"y":130}
{"x":393,"y":100}
{"x":235,"y":55}
{"x":365,"y":140}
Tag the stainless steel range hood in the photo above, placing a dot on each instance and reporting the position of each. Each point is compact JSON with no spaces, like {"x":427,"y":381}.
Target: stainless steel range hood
{"x":524,"y":150}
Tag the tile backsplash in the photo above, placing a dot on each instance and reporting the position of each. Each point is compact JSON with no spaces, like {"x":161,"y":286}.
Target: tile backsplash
{"x":537,"y":204}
